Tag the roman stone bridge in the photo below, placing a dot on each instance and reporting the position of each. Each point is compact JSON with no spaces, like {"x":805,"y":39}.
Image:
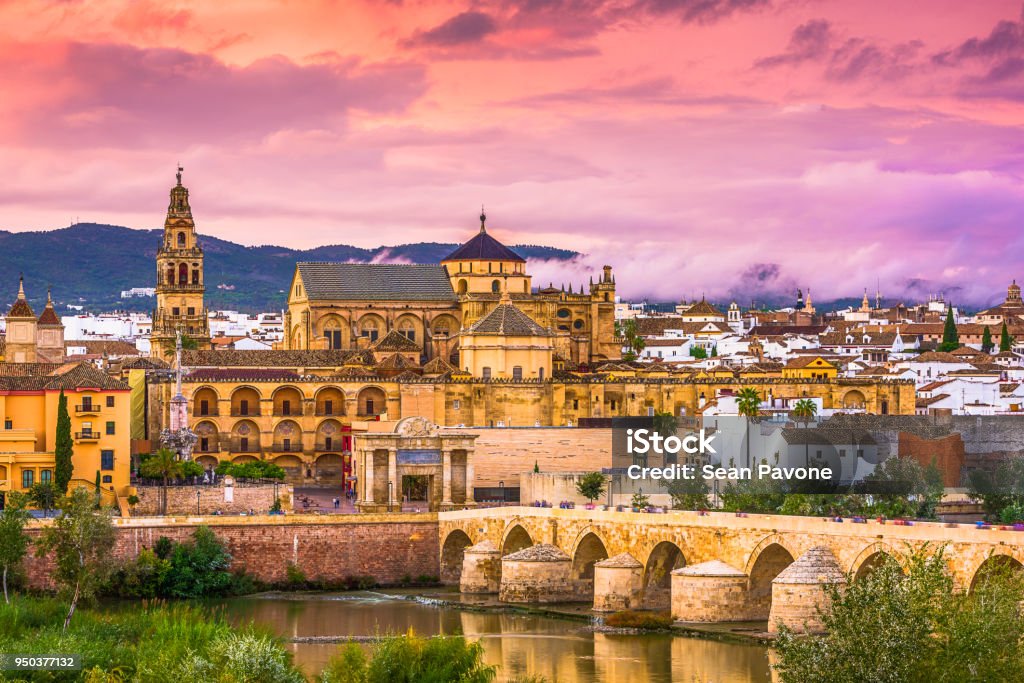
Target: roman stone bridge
{"x":759,"y":546}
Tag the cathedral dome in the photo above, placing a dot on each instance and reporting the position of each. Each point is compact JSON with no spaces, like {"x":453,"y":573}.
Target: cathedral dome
{"x":483,"y":247}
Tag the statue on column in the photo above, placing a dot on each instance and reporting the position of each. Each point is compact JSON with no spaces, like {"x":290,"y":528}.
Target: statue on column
{"x":178,"y":437}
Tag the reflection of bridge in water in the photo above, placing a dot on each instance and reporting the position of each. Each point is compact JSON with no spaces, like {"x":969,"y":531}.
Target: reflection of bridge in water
{"x":759,"y":546}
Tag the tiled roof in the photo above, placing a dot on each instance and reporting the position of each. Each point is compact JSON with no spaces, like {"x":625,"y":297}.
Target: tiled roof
{"x":20,"y":309}
{"x":144,"y":363}
{"x":396,"y":361}
{"x":483,"y":247}
{"x":53,"y":377}
{"x":702,"y":307}
{"x":807,"y":361}
{"x":376,"y":282}
{"x":653,"y":327}
{"x":508,"y":320}
{"x":437,"y":366}
{"x":395,"y":341}
{"x":104,"y":347}
{"x":49,"y":317}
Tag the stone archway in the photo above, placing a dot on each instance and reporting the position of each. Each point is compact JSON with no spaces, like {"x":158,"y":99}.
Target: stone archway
{"x":854,"y":399}
{"x":995,"y":565}
{"x":452,"y":553}
{"x":768,"y":561}
{"x":589,"y":551}
{"x":516,"y":538}
{"x":871,"y":559}
{"x":664,"y":558}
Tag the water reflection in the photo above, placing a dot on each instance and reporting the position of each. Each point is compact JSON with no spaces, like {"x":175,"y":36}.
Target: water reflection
{"x":560,"y":650}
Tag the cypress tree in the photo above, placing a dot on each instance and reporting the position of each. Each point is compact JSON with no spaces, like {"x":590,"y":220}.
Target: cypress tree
{"x":63,"y":448}
{"x":986,"y":340}
{"x":950,"y":337}
{"x":1005,"y":340}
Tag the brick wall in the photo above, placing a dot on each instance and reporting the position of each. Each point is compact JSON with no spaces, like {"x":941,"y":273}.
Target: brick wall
{"x":387,"y":548}
{"x":503,"y":454}
{"x":947,"y":452}
{"x":181,"y":500}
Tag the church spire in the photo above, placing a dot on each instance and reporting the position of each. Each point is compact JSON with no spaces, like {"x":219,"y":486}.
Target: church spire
{"x":21,"y":286}
{"x":483,"y":220}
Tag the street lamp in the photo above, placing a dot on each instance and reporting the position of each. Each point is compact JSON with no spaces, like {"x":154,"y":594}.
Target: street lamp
{"x":198,"y":493}
{"x":501,"y":485}
{"x":391,"y":485}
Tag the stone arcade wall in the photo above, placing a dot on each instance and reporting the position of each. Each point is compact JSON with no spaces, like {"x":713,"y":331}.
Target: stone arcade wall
{"x":386,"y":547}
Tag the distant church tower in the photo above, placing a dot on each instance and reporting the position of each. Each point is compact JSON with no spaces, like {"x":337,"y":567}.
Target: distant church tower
{"x":179,"y":280}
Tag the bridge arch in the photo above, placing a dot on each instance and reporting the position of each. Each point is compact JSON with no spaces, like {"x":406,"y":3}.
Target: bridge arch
{"x":873,"y":557}
{"x":766,"y":562}
{"x":996,"y":562}
{"x":657,"y":582}
{"x":515,"y":539}
{"x":452,"y":551}
{"x":587,"y":551}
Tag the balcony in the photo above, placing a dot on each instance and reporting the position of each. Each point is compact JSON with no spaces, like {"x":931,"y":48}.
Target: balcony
{"x":87,"y":409}
{"x":248,"y":413}
{"x":287,"y":448}
{"x":87,"y":436}
{"x":237,"y":447}
{"x":335,"y":412}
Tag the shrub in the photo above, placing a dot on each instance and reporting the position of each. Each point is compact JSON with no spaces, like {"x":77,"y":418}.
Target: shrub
{"x":637,"y":619}
{"x":411,"y":659}
{"x":295,"y":576}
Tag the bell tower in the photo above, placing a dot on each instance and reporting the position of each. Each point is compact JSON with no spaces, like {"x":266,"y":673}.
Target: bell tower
{"x":179,"y":280}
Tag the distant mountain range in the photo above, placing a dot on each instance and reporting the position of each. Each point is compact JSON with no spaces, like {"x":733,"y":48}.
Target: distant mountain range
{"x":89,"y":264}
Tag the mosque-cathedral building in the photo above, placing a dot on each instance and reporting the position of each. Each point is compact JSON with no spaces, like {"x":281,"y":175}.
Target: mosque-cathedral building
{"x":466,"y":343}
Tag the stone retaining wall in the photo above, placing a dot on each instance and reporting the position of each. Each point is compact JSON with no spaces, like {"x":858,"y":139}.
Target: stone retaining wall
{"x":182,"y":500}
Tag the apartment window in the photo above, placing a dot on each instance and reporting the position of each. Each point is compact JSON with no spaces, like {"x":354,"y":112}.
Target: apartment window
{"x":107,"y":479}
{"x":46,"y":476}
{"x":517,"y":372}
{"x":191,"y":310}
{"x":28,"y":477}
{"x":106,"y":460}
{"x":110,"y":401}
{"x":204,"y":407}
{"x":87,"y":427}
{"x":87,"y":402}
{"x":110,"y":428}
{"x":8,"y":424}
{"x":176,"y":311}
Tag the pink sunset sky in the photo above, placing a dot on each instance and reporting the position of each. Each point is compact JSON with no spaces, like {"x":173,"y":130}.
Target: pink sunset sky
{"x":736,"y":148}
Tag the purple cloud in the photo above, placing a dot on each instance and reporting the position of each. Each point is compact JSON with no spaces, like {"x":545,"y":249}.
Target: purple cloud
{"x":467,"y":27}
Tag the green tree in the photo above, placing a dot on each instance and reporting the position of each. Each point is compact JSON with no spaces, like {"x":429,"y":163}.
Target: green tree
{"x":164,"y":465}
{"x":98,"y":489}
{"x":714,"y":352}
{"x":748,"y":404}
{"x":908,"y":624}
{"x":689,"y":494}
{"x":44,"y":496}
{"x":950,"y":336}
{"x":63,"y":447}
{"x":804,"y":410}
{"x":986,"y":340}
{"x":698,"y":352}
{"x":1005,"y":340}
{"x":13,"y":539}
{"x":81,"y":540}
{"x":640,"y":501}
{"x":1000,"y":489}
{"x":591,"y":485}
{"x":634,"y":343}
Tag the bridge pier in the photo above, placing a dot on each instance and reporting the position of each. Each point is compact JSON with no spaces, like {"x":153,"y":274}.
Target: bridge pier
{"x":540,"y":573}
{"x":710,"y":592}
{"x":618,"y":583}
{"x":798,"y":592}
{"x":481,"y":569}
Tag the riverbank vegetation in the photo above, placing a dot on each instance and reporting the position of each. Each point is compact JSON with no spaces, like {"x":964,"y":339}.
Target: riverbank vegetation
{"x":911,"y":624}
{"x":411,"y":659}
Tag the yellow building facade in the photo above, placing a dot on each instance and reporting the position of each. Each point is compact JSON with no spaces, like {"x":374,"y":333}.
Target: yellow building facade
{"x":100,"y":426}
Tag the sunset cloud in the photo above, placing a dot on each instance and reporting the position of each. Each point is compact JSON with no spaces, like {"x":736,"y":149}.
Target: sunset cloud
{"x":732,"y":148}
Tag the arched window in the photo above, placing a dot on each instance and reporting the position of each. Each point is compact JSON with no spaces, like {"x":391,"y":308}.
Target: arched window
{"x":463,"y":286}
{"x":370,"y":330}
{"x":170,"y":274}
{"x":195,"y":276}
{"x":496,"y":286}
{"x":181,"y":240}
{"x":183,"y":273}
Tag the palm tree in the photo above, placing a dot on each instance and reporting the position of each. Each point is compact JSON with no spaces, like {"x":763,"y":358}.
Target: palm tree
{"x":804,"y":411}
{"x":163,"y":464}
{"x":748,"y":403}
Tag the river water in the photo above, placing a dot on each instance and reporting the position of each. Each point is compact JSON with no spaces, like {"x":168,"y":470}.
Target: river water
{"x":561,"y":650}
